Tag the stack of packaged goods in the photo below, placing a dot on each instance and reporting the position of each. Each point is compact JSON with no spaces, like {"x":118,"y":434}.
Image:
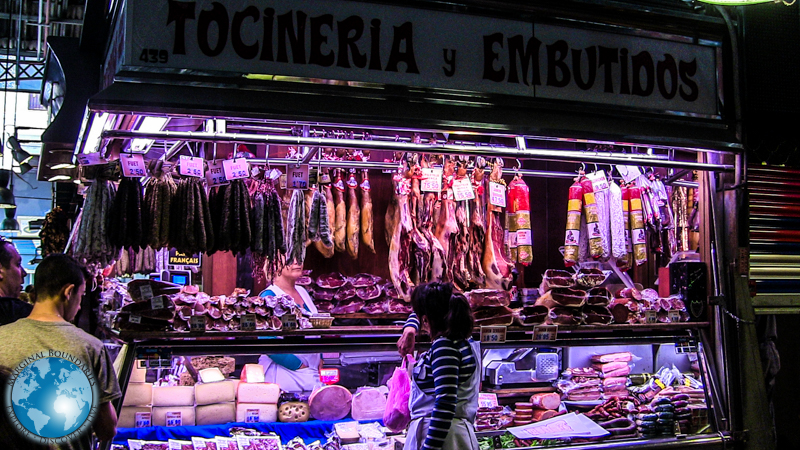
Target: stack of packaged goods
{"x":216,"y":398}
{"x":257,"y":401}
{"x":137,"y":404}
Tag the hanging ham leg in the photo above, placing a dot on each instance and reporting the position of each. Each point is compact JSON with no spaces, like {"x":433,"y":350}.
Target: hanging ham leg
{"x":353,"y":218}
{"x":477,"y":232}
{"x":446,"y":225}
{"x":340,"y":228}
{"x":400,"y":245}
{"x":366,"y":213}
{"x":495,"y":264}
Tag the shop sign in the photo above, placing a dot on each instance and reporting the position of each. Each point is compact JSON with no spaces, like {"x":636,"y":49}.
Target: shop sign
{"x":366,"y":42}
{"x":177,"y":258}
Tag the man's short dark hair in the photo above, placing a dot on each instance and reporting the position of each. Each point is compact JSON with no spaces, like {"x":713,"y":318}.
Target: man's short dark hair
{"x":5,"y":252}
{"x":55,"y":272}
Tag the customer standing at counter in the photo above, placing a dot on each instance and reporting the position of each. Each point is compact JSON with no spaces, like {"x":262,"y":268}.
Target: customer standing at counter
{"x":293,"y":373}
{"x":12,"y":275}
{"x":446,"y":379}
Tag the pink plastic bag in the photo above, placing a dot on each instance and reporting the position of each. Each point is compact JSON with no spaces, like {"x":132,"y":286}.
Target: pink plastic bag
{"x":396,"y":416}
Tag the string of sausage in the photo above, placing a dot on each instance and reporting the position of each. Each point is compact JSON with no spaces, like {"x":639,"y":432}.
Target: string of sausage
{"x":638,"y":236}
{"x":572,"y":238}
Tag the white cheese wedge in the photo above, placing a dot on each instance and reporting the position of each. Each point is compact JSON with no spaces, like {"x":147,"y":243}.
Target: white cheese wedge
{"x":173,"y":395}
{"x":216,"y":414}
{"x":127,"y":416}
{"x":211,"y":375}
{"x":347,"y":430}
{"x":258,"y":393}
{"x":253,"y":373}
{"x":256,"y":412}
{"x":138,"y":394}
{"x":219,"y":392}
{"x":138,"y":373}
{"x":185,"y":413}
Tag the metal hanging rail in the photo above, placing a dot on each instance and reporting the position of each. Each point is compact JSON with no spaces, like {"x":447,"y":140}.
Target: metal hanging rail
{"x":487,"y":151}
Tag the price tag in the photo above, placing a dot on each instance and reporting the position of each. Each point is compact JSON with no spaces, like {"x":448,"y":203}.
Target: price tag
{"x":174,"y":419}
{"x":289,"y":321}
{"x":216,"y":173}
{"x":142,"y":419}
{"x":248,"y":322}
{"x":493,"y":335}
{"x":629,"y":173}
{"x":197,"y":323}
{"x":599,"y":180}
{"x":252,"y":416}
{"x":192,"y":166}
{"x":329,"y":376}
{"x":146,"y":292}
{"x":497,"y":194}
{"x":674,"y":316}
{"x":486,"y":400}
{"x":157,"y":302}
{"x":297,"y":176}
{"x":462,"y":189}
{"x":235,"y":168}
{"x":325,"y":178}
{"x":91,"y":159}
{"x":651,"y":317}
{"x":545,"y":332}
{"x":135,"y":319}
{"x":431,"y":180}
{"x":132,"y":165}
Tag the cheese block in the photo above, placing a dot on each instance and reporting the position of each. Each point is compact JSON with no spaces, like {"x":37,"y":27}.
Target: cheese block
{"x":138,"y":373}
{"x":138,"y":394}
{"x":293,"y":412}
{"x":216,"y":414}
{"x":210,"y":375}
{"x":330,"y":403}
{"x":368,"y":404}
{"x":256,"y":412}
{"x":127,"y":415}
{"x":347,"y":431}
{"x":219,"y":392}
{"x":258,"y":393}
{"x":186,"y":415}
{"x":253,"y":373}
{"x":173,"y":395}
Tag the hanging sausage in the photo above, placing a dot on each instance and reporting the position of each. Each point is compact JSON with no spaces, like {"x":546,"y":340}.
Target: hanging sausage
{"x":638,"y":237}
{"x":518,"y":209}
{"x":592,"y":220}
{"x":572,"y":238}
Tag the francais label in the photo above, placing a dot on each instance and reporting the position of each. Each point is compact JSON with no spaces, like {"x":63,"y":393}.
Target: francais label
{"x":674,"y":316}
{"x":135,"y":319}
{"x":297,"y":177}
{"x":157,"y":302}
{"x":650,"y":316}
{"x":599,"y":181}
{"x":132,"y":165}
{"x":289,"y":321}
{"x":173,"y":419}
{"x":235,"y":168}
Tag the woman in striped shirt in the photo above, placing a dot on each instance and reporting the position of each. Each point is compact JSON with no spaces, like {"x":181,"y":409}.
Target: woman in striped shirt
{"x":446,"y":379}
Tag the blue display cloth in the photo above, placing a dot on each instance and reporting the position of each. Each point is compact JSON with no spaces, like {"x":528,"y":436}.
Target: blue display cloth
{"x":309,"y":431}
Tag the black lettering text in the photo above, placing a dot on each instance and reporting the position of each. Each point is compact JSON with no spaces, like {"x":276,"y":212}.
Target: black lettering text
{"x":640,"y":61}
{"x":667,"y":66}
{"x":624,"y":85}
{"x":243,"y":50}
{"x":591,"y":56}
{"x":490,"y":56}
{"x":687,"y":71}
{"x":450,"y":60}
{"x":219,"y":15}
{"x":375,"y":45}
{"x":556,"y":54}
{"x":297,"y":39}
{"x":403,"y":34}
{"x":179,"y":12}
{"x":608,"y":57}
{"x":529,"y":59}
{"x":266,"y":45}
{"x":348,"y":43}
{"x":317,"y":39}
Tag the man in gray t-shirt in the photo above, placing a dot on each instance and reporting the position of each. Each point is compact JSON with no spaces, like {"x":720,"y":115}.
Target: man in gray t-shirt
{"x":60,"y":284}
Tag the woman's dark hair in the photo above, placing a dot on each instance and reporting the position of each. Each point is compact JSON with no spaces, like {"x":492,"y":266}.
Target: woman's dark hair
{"x":447,"y":310}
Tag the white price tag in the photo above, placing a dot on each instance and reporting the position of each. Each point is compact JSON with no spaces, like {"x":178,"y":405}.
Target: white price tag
{"x":325,"y":178}
{"x":197,"y":323}
{"x":216,"y":173}
{"x":545,"y":332}
{"x":146,"y":292}
{"x":235,"y":168}
{"x":157,"y":302}
{"x":289,"y":321}
{"x":650,"y":317}
{"x":252,"y":416}
{"x":431,"y":180}
{"x":462,"y":190}
{"x":135,"y":319}
{"x":497,"y":194}
{"x":132,"y":165}
{"x":248,"y":322}
{"x":192,"y":166}
{"x":173,"y":419}
{"x":629,"y":173}
{"x":142,"y":419}
{"x":493,"y":334}
{"x":674,"y":316}
{"x":91,"y":159}
{"x":599,"y":180}
{"x":486,"y":400}
{"x":297,"y":176}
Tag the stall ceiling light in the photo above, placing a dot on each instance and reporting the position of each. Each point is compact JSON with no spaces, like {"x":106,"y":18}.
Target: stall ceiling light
{"x":63,"y":166}
{"x":100,"y":123}
{"x":59,"y":178}
{"x":148,"y":125}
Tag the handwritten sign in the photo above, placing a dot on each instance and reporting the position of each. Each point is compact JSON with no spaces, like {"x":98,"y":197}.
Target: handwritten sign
{"x":91,"y":159}
{"x":135,"y":319}
{"x":143,"y":419}
{"x":235,"y":168}
{"x":157,"y":302}
{"x":497,"y":194}
{"x":431,"y":180}
{"x":650,"y":317}
{"x":297,"y":176}
{"x":486,"y":400}
{"x":248,"y":322}
{"x":132,"y":165}
{"x":599,"y":180}
{"x":197,"y":323}
{"x":289,"y":321}
{"x":146,"y":292}
{"x":493,"y":335}
{"x":174,"y":419}
{"x":192,"y":166}
{"x":216,"y":173}
{"x":462,"y":189}
{"x":545,"y":332}
{"x":252,"y":416}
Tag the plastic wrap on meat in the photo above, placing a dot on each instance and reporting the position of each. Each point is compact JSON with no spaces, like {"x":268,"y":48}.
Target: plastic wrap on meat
{"x":535,"y":315}
{"x":398,"y":306}
{"x":597,"y":315}
{"x":565,"y":316}
{"x":496,"y":315}
{"x":568,"y":297}
{"x":488,"y":297}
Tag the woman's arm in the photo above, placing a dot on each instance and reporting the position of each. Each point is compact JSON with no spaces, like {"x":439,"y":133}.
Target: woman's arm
{"x":405,"y":345}
{"x":445,"y":362}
